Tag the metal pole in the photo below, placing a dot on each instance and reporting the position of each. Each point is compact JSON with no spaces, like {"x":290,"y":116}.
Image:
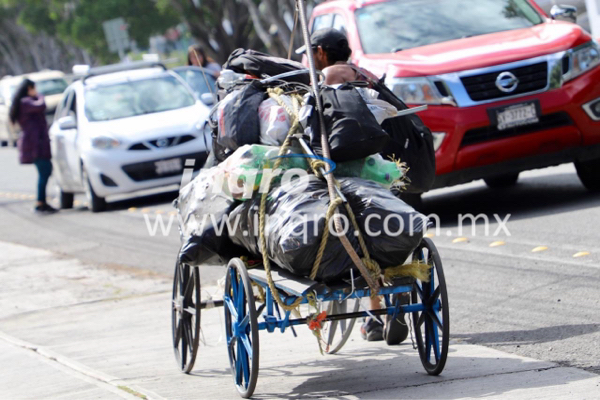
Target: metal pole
{"x":374,"y":285}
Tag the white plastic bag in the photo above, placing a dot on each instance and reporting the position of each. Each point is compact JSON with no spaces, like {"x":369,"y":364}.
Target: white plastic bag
{"x":275,"y":122}
{"x":381,"y":109}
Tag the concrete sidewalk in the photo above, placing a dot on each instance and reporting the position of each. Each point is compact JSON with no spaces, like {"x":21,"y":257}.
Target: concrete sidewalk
{"x":75,"y":331}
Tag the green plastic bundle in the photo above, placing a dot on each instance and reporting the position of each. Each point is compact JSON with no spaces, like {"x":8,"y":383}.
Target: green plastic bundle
{"x":373,"y":168}
{"x":245,"y":168}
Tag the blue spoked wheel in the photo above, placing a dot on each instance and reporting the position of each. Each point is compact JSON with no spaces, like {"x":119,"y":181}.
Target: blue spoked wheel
{"x":241,"y":328}
{"x":432,"y":326}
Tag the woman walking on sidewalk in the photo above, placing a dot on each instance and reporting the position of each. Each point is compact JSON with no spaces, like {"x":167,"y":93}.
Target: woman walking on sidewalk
{"x":28,"y":109}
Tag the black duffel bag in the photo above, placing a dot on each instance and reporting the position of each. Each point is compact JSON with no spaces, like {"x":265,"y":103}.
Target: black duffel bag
{"x":263,"y":65}
{"x":239,"y":122}
{"x":352,"y":130}
{"x":411,"y":142}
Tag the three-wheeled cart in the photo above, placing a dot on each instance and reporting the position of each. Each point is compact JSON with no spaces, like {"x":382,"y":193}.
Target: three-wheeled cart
{"x":250,"y":307}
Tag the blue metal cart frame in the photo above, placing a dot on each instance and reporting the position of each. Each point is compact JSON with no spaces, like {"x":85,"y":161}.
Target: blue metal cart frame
{"x":428,"y":306}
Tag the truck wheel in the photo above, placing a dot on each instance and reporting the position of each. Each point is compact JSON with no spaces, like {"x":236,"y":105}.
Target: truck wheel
{"x":96,"y":203}
{"x":502,"y":181}
{"x":589,"y":174}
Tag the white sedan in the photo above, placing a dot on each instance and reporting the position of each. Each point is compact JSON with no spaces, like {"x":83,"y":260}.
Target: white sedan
{"x":121,"y":131}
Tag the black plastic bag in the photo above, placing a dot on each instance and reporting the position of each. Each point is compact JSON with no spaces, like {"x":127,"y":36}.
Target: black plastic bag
{"x":239,"y":122}
{"x":353,"y":131}
{"x":294,"y":227}
{"x":202,"y":214}
{"x":411,"y":142}
{"x":263,"y":65}
{"x":392,"y":229}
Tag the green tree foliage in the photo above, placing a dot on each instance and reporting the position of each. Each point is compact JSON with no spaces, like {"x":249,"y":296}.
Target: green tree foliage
{"x":80,"y":21}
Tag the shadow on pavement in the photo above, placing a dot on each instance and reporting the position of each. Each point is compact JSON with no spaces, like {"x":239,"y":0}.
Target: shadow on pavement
{"x":164,"y":199}
{"x":392,"y":372}
{"x":530,"y":336}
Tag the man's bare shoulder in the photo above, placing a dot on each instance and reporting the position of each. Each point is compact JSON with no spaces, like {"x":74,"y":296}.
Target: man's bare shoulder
{"x":339,"y":73}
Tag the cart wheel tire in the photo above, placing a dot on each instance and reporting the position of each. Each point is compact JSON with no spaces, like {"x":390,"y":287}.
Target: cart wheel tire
{"x":337,"y":333}
{"x":185,"y":315}
{"x":502,"y":181}
{"x":435,"y":320}
{"x":241,"y":328}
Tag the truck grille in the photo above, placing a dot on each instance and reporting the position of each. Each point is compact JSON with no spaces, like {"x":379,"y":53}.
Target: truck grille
{"x":162,"y":143}
{"x":483,"y":87}
{"x":489,"y":133}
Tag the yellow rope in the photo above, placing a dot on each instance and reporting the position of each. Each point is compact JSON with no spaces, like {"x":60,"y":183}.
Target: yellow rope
{"x":416,"y":269}
{"x":372,"y":266}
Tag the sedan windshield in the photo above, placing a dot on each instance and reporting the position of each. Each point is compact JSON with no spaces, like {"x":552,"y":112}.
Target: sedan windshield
{"x":404,"y":24}
{"x":49,"y":87}
{"x":131,"y":98}
{"x":198,"y":81}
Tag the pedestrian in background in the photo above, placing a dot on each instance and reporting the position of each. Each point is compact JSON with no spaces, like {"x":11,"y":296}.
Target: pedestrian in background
{"x":198,"y":58}
{"x":28,"y":109}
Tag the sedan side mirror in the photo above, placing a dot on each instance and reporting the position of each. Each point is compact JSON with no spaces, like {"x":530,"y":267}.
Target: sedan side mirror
{"x":564,"y":13}
{"x":207,"y":98}
{"x":66,"y":123}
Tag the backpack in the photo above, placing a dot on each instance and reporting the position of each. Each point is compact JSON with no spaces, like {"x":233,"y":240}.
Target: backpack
{"x":237,"y":114}
{"x":411,"y":142}
{"x":352,"y":129}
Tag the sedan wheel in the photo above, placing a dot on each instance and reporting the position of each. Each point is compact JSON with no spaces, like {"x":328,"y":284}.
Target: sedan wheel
{"x":96,"y":203}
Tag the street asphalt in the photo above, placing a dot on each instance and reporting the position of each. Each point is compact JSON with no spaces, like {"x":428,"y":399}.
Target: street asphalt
{"x":533,"y":293}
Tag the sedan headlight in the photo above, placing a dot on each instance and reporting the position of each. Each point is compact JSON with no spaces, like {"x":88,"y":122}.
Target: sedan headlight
{"x":105,"y":142}
{"x":583,"y":58}
{"x":418,"y":91}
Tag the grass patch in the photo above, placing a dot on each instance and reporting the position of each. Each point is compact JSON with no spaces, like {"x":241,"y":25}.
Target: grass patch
{"x":133,"y":392}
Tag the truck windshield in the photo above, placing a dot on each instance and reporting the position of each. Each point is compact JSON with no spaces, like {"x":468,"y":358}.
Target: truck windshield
{"x":398,"y":25}
{"x":131,"y":98}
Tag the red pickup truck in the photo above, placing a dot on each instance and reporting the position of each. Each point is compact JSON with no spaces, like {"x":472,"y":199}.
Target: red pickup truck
{"x":508,"y":87}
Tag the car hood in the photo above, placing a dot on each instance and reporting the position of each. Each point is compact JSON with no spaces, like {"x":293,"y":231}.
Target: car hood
{"x":152,"y":126}
{"x":479,"y":51}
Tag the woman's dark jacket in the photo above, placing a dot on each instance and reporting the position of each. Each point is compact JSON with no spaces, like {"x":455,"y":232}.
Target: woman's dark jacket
{"x":34,"y":142}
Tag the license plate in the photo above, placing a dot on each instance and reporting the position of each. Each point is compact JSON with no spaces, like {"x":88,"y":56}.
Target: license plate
{"x":516,"y":115}
{"x":168,"y":166}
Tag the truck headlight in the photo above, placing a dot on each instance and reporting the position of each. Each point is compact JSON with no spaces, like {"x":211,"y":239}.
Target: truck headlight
{"x":105,"y":142}
{"x":583,"y":58}
{"x":418,"y":91}
{"x":438,"y":139}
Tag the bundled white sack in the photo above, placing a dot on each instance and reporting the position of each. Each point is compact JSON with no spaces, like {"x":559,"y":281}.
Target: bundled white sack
{"x":275,"y":122}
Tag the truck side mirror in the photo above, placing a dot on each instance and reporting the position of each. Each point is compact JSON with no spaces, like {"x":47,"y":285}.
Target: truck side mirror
{"x":564,"y":13}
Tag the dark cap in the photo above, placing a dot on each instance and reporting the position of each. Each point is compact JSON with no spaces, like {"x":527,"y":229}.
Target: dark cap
{"x":327,"y":38}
